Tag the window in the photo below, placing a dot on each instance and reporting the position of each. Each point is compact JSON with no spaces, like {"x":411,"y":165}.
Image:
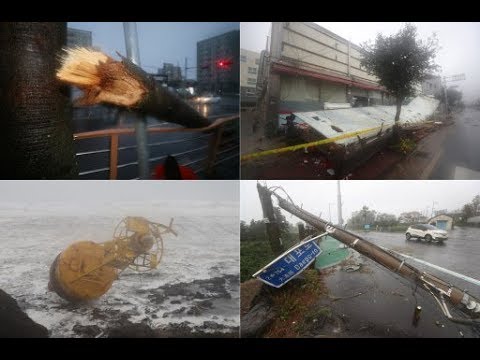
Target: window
{"x":257,"y":61}
{"x":251,"y":81}
{"x":243,"y":58}
{"x":252,"y":70}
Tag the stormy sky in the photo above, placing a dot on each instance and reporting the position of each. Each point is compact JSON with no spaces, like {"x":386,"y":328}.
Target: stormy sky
{"x":459,"y":42}
{"x":159,"y":42}
{"x":393,"y":197}
{"x":82,"y":192}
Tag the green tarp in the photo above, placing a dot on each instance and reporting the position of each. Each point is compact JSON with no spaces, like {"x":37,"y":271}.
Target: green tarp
{"x":333,"y":252}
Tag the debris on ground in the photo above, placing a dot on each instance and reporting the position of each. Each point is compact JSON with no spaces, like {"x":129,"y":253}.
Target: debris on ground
{"x":351,"y":268}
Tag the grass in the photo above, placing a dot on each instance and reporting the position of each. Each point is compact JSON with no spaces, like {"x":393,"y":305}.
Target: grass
{"x":255,"y":254}
{"x":295,"y":304}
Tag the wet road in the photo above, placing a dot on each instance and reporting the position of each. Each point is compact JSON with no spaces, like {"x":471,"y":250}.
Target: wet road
{"x":190,"y":149}
{"x":375,"y":302}
{"x":460,"y":253}
{"x":460,"y":159}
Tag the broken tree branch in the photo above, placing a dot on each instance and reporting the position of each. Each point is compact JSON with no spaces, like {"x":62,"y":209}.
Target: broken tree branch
{"x":122,"y":83}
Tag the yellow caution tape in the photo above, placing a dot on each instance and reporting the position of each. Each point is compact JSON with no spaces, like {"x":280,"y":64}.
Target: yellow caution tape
{"x":306,"y":145}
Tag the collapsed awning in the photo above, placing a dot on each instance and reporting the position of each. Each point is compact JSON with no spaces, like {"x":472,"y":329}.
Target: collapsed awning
{"x":286,"y":69}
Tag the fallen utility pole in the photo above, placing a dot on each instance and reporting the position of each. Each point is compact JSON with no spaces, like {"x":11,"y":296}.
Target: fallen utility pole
{"x":434,"y":285}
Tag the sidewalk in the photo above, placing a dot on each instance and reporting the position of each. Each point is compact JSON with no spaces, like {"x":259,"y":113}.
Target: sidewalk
{"x":423,"y":160}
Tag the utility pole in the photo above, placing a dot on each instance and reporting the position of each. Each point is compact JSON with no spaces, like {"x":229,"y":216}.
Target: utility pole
{"x":271,"y":224}
{"x":186,"y":60}
{"x":133,"y":54}
{"x":446,"y":97}
{"x":433,"y":206}
{"x":339,"y":205}
{"x":329,"y":212}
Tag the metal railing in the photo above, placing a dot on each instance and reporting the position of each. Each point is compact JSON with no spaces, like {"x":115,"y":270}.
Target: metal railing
{"x":217,"y":149}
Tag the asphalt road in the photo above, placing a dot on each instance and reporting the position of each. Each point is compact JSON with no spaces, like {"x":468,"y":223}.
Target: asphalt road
{"x":460,"y":253}
{"x":460,"y":160}
{"x":189,"y":148}
{"x":375,"y":302}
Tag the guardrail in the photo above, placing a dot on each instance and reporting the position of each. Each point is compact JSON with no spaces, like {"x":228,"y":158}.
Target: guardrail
{"x":218,"y":149}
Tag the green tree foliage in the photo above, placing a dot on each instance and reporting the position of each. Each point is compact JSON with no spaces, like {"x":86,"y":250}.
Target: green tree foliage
{"x":471,"y":209}
{"x":400,"y":61}
{"x":454,"y":97}
{"x":384,"y":219}
{"x":362,"y":217}
{"x":411,"y":217}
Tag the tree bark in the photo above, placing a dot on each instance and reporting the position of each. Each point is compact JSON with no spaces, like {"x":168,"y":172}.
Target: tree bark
{"x":396,"y":127}
{"x":36,"y":138}
{"x":399,"y":108}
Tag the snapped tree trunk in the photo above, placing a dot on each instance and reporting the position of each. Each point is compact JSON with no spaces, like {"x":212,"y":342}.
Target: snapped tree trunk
{"x":36,"y":138}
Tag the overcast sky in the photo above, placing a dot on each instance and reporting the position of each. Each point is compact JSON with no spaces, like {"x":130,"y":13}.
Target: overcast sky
{"x":393,"y":197}
{"x":159,"y":42}
{"x":83,"y":191}
{"x":459,"y":53}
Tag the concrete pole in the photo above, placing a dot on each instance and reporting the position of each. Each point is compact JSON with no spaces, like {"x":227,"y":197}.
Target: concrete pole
{"x":339,"y":205}
{"x":446,"y":97}
{"x":133,"y":54}
{"x":393,"y":263}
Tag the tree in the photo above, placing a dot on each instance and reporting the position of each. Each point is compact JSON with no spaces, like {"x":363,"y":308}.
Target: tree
{"x":400,"y":62}
{"x":244,"y":230}
{"x":454,"y":96}
{"x":476,"y":204}
{"x":411,"y":217}
{"x":362,"y":217}
{"x":384,"y":219}
{"x":36,"y":138}
{"x":468,"y":211}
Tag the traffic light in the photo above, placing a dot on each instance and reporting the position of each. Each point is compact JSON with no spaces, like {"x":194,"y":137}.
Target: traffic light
{"x":224,"y":63}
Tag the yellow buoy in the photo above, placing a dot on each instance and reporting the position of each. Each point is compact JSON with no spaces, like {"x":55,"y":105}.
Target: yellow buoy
{"x":86,"y":270}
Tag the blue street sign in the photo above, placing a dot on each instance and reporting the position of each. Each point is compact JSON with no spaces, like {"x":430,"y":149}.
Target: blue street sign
{"x":288,"y":265}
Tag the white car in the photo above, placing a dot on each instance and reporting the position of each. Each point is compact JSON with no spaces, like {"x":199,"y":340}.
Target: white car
{"x":426,"y":232}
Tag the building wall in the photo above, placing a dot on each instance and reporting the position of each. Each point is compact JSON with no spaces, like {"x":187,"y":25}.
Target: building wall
{"x":315,"y":46}
{"x":212,"y":78}
{"x":316,"y":50}
{"x":172,"y":72}
{"x":76,"y":37}
{"x":432,"y":86}
{"x":446,"y":218}
{"x":249,"y":67}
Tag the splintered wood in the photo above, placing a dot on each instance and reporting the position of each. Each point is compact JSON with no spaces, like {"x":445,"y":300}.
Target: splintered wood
{"x":101,"y":78}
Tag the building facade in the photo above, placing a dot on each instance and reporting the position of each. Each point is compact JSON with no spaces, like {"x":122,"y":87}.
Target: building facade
{"x":249,"y":66}
{"x":432,"y":85}
{"x":310,"y":66}
{"x":77,"y":37}
{"x":218,"y":66}
{"x":443,"y":222}
{"x":172,"y":73}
